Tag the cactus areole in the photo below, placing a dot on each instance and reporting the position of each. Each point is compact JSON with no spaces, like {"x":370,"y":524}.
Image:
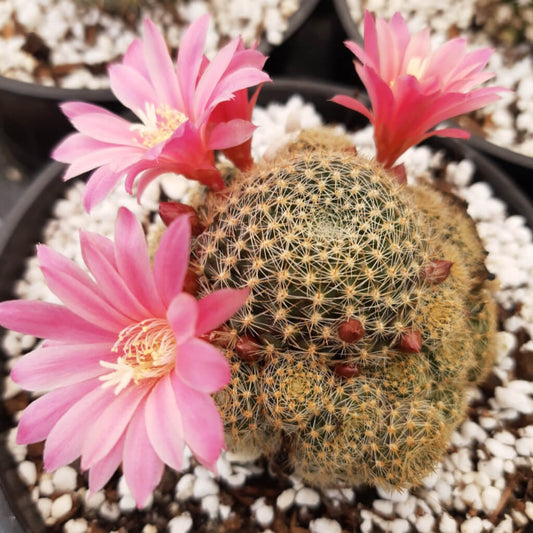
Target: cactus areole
{"x":361,"y":355}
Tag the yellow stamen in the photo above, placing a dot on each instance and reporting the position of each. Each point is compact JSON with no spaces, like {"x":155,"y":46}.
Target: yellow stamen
{"x":146,"y":350}
{"x":158,"y":124}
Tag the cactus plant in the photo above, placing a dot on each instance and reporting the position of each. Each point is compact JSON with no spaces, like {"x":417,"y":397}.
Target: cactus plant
{"x":369,"y":317}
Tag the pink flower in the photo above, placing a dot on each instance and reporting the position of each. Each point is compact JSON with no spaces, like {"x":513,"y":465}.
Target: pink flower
{"x":174,"y":105}
{"x":128,"y":373}
{"x":412,"y":88}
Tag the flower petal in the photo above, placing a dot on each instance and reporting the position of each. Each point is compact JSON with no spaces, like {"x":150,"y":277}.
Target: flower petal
{"x":77,"y":291}
{"x":109,"y":280}
{"x":109,"y":128}
{"x":202,"y":424}
{"x":217,"y":307}
{"x":229,"y":134}
{"x":159,"y":65}
{"x":202,"y":366}
{"x":182,"y":315}
{"x":133,"y":262}
{"x":42,"y":414}
{"x":172,"y":259}
{"x":102,"y":471}
{"x":131,"y":87}
{"x":111,"y":424}
{"x":61,"y":365}
{"x":142,"y":466}
{"x":164,"y":425}
{"x":50,"y":321}
{"x":65,"y":441}
{"x":190,"y":60}
{"x":102,"y":181}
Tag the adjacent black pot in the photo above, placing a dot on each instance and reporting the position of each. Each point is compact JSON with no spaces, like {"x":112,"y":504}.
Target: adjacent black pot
{"x":31,"y":123}
{"x":23,"y":227}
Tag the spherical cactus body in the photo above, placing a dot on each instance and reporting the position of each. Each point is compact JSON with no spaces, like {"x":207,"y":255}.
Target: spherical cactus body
{"x":370,"y":315}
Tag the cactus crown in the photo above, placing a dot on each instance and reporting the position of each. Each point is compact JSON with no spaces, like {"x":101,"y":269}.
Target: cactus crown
{"x":353,"y":354}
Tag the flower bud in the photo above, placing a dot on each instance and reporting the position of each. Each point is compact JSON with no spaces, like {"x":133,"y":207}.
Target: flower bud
{"x":247,"y":348}
{"x":190,"y":283}
{"x":399,"y":173}
{"x":347,"y":371}
{"x":436,"y":271}
{"x":170,"y":211}
{"x":351,"y":331}
{"x":410,"y":341}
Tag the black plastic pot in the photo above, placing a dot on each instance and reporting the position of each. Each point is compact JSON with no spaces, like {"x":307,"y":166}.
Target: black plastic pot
{"x":23,"y":227}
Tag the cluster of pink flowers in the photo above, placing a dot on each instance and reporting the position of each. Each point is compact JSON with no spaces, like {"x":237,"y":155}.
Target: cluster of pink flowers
{"x":186,"y":112}
{"x":126,"y":351}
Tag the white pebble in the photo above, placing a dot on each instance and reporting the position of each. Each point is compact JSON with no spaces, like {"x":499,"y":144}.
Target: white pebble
{"x":109,"y":511}
{"x":471,"y":496}
{"x":285,"y":500}
{"x":472,"y":525}
{"x":385,"y":507}
{"x":27,"y":472}
{"x":307,"y":497}
{"x":505,"y":526}
{"x":180,"y":524}
{"x":127,"y":503}
{"x":513,"y":399}
{"x":210,"y":505}
{"x":447,"y":524}
{"x":499,"y":449}
{"x":76,"y":525}
{"x":184,"y":487}
{"x":407,"y":508}
{"x":65,"y":479}
{"x":204,"y":486}
{"x":61,"y":506}
{"x":490,"y":497}
{"x":493,"y":467}
{"x":93,"y":501}
{"x":425,"y":523}
{"x":238,"y":479}
{"x":44,"y":505}
{"x":264,"y":515}
{"x":529,"y":510}
{"x":519,"y":518}
{"x":149,"y":528}
{"x":524,"y":446}
{"x":324,"y":525}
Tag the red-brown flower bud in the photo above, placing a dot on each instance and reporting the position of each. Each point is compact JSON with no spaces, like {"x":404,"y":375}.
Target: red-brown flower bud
{"x":399,"y":173}
{"x":410,"y":341}
{"x":170,"y":211}
{"x":351,"y":150}
{"x":190,"y":283}
{"x":351,"y":331}
{"x":436,"y":271}
{"x":221,"y":336}
{"x":347,"y":371}
{"x":247,"y":348}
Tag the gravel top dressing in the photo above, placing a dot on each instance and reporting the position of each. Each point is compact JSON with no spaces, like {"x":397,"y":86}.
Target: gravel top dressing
{"x":69,"y":44}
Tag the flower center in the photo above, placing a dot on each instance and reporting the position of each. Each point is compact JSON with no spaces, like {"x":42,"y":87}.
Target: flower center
{"x":158,"y":124}
{"x":146,"y":350}
{"x":417,"y":67}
